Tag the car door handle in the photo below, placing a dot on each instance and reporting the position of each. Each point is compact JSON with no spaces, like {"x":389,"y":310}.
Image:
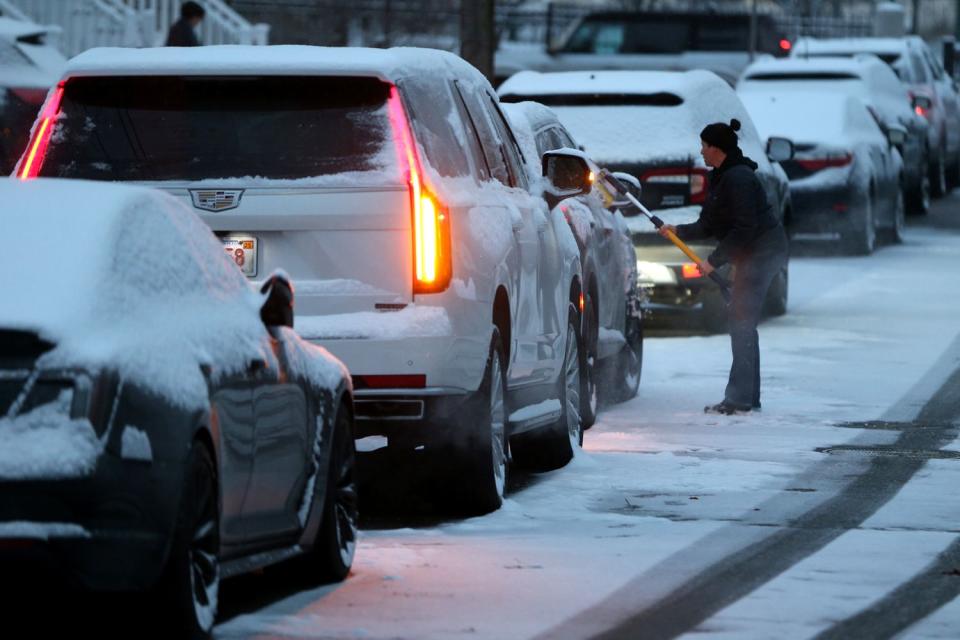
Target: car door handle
{"x":517,"y":225}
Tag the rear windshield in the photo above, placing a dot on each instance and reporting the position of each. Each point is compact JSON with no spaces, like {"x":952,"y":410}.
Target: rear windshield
{"x":600,"y":99}
{"x":195,"y":128}
{"x":813,"y":75}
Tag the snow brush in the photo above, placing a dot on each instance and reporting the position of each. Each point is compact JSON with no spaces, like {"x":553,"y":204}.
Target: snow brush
{"x":611,"y":187}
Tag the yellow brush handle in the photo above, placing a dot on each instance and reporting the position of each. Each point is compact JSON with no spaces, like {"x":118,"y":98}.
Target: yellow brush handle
{"x":683,"y":247}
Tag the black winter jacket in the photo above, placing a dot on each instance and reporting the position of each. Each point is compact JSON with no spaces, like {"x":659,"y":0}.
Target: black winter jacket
{"x":182,"y":35}
{"x":736,"y":211}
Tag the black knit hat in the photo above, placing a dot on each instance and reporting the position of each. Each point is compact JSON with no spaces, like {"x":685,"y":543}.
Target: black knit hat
{"x":721,"y":135}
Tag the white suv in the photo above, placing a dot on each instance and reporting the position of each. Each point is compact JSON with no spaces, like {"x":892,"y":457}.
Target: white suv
{"x":390,"y":187}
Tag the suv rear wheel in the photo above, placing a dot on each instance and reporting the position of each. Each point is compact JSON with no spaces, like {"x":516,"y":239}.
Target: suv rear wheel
{"x":482,"y":458}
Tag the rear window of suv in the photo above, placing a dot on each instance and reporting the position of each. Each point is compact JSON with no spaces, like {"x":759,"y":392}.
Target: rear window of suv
{"x":194,"y":128}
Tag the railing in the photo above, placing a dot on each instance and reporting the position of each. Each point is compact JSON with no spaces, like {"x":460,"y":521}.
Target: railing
{"x":83,"y":23}
{"x":221,"y":24}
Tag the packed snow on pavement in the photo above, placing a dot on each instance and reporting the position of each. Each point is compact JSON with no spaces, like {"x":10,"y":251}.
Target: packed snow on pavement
{"x":659,"y":482}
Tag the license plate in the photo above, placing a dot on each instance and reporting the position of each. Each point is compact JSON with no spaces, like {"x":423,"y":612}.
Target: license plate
{"x":243,"y":251}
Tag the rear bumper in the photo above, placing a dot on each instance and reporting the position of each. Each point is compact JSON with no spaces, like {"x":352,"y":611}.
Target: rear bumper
{"x":108,"y":531}
{"x":412,"y":417}
{"x":452,"y":365}
{"x":822,"y":210}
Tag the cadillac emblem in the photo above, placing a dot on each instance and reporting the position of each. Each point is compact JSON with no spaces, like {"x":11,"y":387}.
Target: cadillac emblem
{"x":216,"y":199}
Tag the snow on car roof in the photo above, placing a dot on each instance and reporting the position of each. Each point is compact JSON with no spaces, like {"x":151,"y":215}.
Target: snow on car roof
{"x":632,"y":133}
{"x":126,"y":278}
{"x":388,"y":64}
{"x":847,"y":45}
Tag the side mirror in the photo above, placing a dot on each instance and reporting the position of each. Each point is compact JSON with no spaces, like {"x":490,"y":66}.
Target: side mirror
{"x":568,"y":174}
{"x":632,"y":183}
{"x":922,"y":102}
{"x":277,"y":308}
{"x":896,"y":135}
{"x":780,"y":149}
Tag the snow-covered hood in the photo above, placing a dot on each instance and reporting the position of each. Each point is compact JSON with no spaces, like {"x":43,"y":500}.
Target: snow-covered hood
{"x":125,"y":278}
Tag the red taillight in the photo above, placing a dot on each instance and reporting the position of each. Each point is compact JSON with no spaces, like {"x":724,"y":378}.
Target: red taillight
{"x":691,"y":271}
{"x":432,"y":261}
{"x":816,"y":164}
{"x":401,"y":381}
{"x":37,"y":148}
{"x":694,"y":178}
{"x":785,"y":45}
{"x":920,"y":111}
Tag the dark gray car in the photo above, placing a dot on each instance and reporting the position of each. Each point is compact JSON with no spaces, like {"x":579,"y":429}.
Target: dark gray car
{"x":163,"y":426}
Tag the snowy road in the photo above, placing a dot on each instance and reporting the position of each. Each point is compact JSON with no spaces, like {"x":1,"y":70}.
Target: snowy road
{"x":832,"y":512}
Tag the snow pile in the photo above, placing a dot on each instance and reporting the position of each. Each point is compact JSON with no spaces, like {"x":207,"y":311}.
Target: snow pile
{"x":810,"y":117}
{"x":846,"y":46}
{"x":126,"y":278}
{"x":414,"y":321}
{"x":636,"y":133}
{"x":46,"y":443}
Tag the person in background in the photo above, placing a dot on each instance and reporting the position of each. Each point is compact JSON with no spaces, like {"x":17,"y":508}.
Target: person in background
{"x":182,"y":32}
{"x":738,"y":215}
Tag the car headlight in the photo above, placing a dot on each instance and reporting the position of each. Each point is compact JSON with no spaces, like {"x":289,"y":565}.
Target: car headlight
{"x":655,"y":273}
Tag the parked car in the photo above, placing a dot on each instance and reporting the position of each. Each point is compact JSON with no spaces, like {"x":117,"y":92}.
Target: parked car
{"x":389,"y":185}
{"x":612,"y":326}
{"x":933,"y":92}
{"x":647,"y":124}
{"x":661,"y":41}
{"x":29,"y":67}
{"x":868,"y":78}
{"x":846,"y":176}
{"x":163,"y":425}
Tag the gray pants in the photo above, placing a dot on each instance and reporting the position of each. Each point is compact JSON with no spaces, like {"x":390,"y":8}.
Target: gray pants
{"x":752,"y":279}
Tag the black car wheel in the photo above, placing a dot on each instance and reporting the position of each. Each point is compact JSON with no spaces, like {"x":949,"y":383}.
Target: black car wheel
{"x":480,"y":463}
{"x":589,"y":397}
{"x":860,"y":238}
{"x":777,"y":295}
{"x":336,"y":540}
{"x":628,"y":363}
{"x":188,"y":591}
{"x":920,"y":198}
{"x":899,"y":220}
{"x":938,"y":175}
{"x":553,"y":446}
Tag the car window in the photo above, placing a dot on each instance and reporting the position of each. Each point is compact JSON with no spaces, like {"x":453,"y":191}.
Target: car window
{"x":434,"y":118}
{"x":565,"y":139}
{"x":196,"y":127}
{"x":511,"y":147}
{"x":547,"y":140}
{"x":933,"y":65}
{"x":490,"y":141}
{"x":473,"y":136}
{"x":917,"y":68}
